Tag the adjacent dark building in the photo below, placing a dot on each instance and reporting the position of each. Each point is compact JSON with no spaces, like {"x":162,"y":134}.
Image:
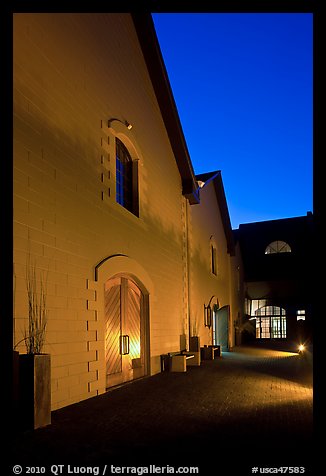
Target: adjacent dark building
{"x":277,"y":257}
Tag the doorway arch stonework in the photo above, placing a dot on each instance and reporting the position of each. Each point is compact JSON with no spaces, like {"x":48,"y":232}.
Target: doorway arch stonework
{"x":108,"y":268}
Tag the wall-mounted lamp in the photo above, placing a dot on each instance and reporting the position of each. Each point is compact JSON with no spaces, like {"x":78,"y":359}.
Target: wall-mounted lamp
{"x":200,"y":183}
{"x":207,"y":316}
{"x":208,"y":312}
{"x":124,"y":122}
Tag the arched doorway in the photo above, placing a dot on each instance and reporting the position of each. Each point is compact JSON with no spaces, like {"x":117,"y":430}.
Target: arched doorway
{"x":126,"y":330}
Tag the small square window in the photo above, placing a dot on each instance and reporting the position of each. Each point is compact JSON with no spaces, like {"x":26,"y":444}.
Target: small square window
{"x":301,"y":315}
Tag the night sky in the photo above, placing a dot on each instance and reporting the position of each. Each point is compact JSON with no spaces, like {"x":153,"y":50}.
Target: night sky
{"x":242,"y":83}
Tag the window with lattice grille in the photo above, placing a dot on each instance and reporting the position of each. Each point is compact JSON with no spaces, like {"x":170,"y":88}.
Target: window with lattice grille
{"x":277,"y":247}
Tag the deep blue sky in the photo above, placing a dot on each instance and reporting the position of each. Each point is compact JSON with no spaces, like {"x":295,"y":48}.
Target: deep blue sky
{"x":242,"y":83}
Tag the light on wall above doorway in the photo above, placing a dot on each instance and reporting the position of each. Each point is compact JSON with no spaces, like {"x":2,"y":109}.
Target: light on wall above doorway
{"x":124,"y":122}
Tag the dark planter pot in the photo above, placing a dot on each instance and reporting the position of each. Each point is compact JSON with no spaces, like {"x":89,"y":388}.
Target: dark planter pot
{"x":35,"y":390}
{"x":194,"y":344}
{"x":15,"y":382}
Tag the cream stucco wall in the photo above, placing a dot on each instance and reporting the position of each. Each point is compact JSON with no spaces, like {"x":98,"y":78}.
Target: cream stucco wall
{"x":206,"y":228}
{"x":73,"y":72}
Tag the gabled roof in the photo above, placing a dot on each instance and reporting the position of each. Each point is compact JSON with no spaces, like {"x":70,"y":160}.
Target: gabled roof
{"x":155,"y":64}
{"x":203,"y":180}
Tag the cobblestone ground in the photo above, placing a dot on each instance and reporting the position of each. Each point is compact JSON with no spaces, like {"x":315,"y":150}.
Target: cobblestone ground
{"x":250,"y":408}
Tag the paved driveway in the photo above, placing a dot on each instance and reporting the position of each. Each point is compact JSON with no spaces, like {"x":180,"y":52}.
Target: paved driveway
{"x":251,"y":408}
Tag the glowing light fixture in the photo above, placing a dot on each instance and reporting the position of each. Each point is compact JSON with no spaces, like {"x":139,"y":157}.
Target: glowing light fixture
{"x":208,"y":312}
{"x":124,"y":122}
{"x":301,"y":348}
{"x":207,"y":316}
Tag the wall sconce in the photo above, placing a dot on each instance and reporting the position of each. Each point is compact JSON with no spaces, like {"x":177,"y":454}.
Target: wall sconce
{"x":208,"y":311}
{"x":207,"y":316}
{"x":124,"y":122}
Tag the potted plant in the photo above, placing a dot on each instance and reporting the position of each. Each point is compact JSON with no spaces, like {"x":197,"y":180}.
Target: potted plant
{"x":194,"y":341}
{"x":35,"y":366}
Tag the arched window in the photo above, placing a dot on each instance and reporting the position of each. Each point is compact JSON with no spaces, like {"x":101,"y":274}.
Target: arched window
{"x":123,"y":175}
{"x":213,"y":260}
{"x":213,"y":256}
{"x":126,"y":179}
{"x":277,"y":247}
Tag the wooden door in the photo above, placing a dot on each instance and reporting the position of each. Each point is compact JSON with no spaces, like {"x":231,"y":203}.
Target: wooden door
{"x":125,"y":338}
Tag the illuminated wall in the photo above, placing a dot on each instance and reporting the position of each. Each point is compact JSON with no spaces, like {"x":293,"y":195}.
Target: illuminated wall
{"x":73,"y":72}
{"x":206,"y":230}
